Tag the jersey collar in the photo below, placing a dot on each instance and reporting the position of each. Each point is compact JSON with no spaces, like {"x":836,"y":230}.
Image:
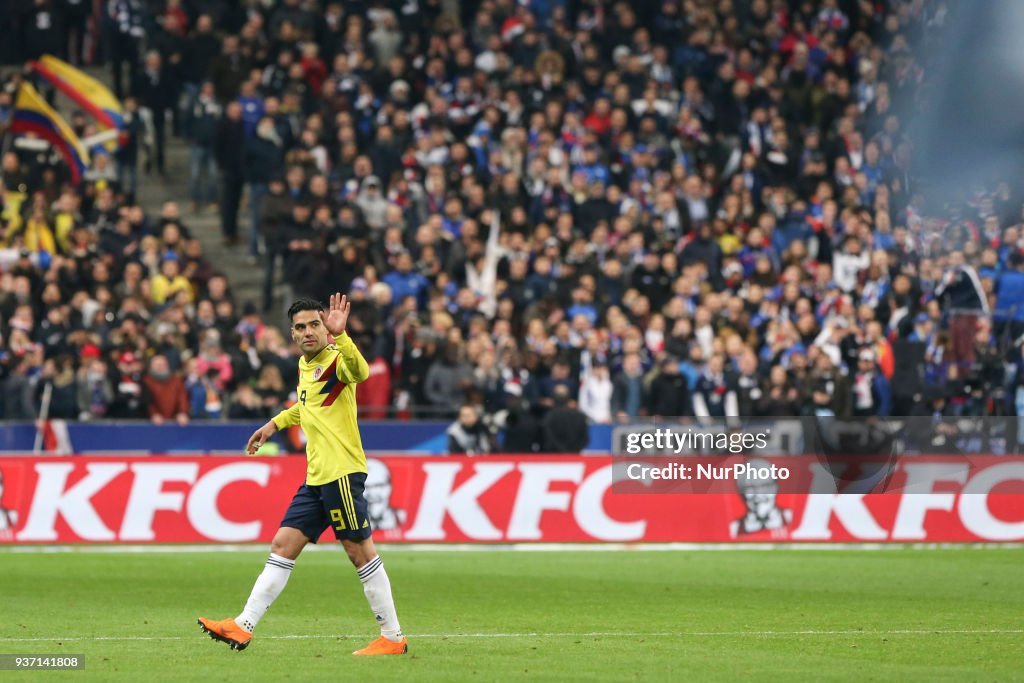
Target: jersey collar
{"x":313,"y":361}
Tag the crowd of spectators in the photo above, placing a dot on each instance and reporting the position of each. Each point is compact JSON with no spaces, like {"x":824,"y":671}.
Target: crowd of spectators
{"x":688,"y":207}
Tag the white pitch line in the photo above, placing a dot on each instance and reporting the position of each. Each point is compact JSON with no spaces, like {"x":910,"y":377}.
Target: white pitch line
{"x":592,"y":634}
{"x":118,"y":549}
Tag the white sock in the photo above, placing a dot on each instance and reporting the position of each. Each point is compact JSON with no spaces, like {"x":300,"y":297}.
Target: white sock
{"x":377,"y":588}
{"x":268,"y":586}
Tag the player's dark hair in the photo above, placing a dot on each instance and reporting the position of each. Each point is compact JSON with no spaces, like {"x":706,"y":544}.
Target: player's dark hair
{"x":303,"y":305}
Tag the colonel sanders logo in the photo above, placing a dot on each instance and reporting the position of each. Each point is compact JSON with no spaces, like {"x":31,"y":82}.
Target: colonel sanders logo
{"x":759,"y":496}
{"x":378,"y":497}
{"x":8,"y":517}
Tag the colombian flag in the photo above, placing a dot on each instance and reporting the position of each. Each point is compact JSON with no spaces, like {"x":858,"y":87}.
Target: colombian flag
{"x":33,"y":115}
{"x":85,"y":90}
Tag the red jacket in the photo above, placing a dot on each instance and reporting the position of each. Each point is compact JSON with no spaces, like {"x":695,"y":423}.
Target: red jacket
{"x":167,"y":397}
{"x":375,"y":391}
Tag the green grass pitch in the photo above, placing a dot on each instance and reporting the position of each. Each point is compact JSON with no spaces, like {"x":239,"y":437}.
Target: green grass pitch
{"x":823,"y":615}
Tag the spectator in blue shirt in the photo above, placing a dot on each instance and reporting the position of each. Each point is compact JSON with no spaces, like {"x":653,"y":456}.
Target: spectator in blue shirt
{"x":404,"y":281}
{"x":592,"y":166}
{"x":252,"y":107}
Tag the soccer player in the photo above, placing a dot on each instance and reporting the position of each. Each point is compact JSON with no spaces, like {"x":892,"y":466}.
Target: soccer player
{"x":335,"y":478}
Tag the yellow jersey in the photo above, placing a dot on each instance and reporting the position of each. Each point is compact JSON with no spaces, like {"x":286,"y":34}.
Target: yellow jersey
{"x":161,"y":289}
{"x":326,"y":411}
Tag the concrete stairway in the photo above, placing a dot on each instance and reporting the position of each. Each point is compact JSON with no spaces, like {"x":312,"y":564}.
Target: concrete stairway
{"x":245,"y":276}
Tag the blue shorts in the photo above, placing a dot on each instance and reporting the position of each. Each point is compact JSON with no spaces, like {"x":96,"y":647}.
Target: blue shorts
{"x":339,"y":505}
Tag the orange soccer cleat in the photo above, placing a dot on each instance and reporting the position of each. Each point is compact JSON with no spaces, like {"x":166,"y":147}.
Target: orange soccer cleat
{"x":226,"y":631}
{"x":383,"y":646}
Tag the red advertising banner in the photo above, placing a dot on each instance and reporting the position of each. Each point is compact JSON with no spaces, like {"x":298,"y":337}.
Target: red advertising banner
{"x":499,"y":499}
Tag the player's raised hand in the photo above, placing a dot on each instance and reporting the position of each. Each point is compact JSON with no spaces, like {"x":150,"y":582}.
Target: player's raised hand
{"x":336,"y":317}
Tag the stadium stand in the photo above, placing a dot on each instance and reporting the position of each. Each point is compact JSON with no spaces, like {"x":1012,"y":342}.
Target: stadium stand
{"x":669,"y":208}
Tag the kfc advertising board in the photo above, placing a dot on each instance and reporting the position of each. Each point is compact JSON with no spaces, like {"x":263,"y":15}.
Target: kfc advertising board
{"x":497,"y":499}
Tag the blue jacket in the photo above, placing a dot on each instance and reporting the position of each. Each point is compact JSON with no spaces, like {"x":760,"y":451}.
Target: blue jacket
{"x":252,"y":112}
{"x":1010,"y":296}
{"x":881,"y":395}
{"x":408,"y":284}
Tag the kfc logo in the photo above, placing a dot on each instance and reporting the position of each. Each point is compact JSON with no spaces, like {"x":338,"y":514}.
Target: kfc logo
{"x":760,"y":497}
{"x":378,"y":497}
{"x":451,"y":506}
{"x":120,"y":501}
{"x":500,"y":499}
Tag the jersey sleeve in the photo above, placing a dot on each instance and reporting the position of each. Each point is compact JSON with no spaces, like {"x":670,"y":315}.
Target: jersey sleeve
{"x":353,"y":367}
{"x":287,"y":417}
